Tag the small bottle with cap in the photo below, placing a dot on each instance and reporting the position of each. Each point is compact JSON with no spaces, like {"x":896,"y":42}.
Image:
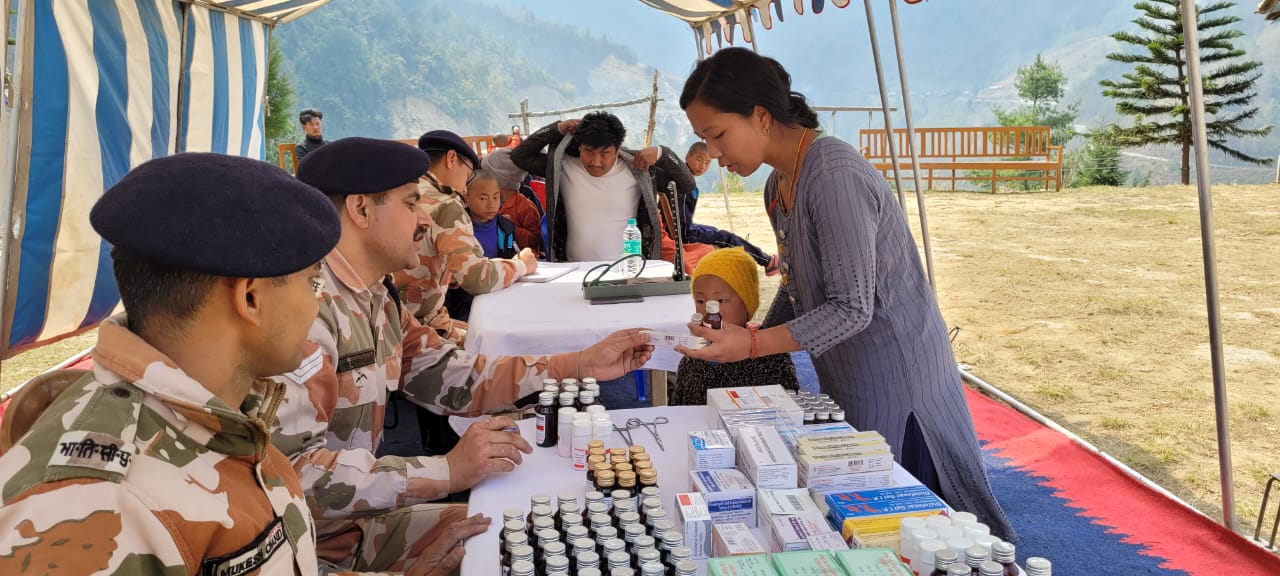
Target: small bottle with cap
{"x":678,"y":556}
{"x":1037,"y":566}
{"x":564,"y":432}
{"x":546,"y":420}
{"x":925,"y":559}
{"x":1007,"y":555}
{"x":557,"y":566}
{"x":581,"y":437}
{"x":521,"y":568}
{"x":974,"y":556}
{"x":990,"y":568}
{"x":712,"y":318}
{"x":685,"y":568}
{"x":943,"y":560}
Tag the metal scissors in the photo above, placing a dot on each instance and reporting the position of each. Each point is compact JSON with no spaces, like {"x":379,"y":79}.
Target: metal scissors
{"x":652,"y":427}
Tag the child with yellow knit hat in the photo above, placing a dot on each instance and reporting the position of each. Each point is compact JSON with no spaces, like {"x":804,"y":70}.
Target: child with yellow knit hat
{"x":730,"y":277}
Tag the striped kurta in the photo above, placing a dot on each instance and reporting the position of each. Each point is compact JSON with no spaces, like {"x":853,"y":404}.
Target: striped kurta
{"x":857,"y":299}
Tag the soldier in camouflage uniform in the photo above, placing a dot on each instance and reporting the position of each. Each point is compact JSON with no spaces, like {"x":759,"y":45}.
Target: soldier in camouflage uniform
{"x":158,"y":462}
{"x":450,"y":255}
{"x":365,"y":344}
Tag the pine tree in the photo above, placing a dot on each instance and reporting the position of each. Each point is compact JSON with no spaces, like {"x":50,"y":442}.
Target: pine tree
{"x":1156,"y":93}
{"x":1042,"y":85}
{"x":279,"y":124}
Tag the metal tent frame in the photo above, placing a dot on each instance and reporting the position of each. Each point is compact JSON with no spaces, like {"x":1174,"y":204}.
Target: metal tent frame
{"x":719,"y":21}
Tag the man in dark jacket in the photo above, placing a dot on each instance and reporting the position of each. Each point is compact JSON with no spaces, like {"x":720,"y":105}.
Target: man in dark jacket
{"x":313,"y":127}
{"x":594,"y":185}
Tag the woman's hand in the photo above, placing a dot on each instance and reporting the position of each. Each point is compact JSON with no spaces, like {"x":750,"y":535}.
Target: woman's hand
{"x":731,"y":344}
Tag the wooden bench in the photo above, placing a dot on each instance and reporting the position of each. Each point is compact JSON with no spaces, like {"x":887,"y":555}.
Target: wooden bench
{"x":287,"y":156}
{"x":995,"y":149}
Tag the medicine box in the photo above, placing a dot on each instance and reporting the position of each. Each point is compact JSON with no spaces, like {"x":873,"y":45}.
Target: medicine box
{"x":765,"y":459}
{"x":730,"y":496}
{"x":741,"y":566}
{"x":827,"y":541}
{"x":871,"y":562}
{"x":791,"y":533}
{"x":673,"y":339}
{"x":806,"y":563}
{"x":694,"y":521}
{"x":794,"y":502}
{"x":751,"y":398}
{"x":811,"y":465}
{"x":849,"y":482}
{"x":710,"y":450}
{"x":734,"y":539}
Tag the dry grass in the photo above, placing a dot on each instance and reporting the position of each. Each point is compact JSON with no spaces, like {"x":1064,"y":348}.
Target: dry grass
{"x":1088,"y":305}
{"x":27,"y":365}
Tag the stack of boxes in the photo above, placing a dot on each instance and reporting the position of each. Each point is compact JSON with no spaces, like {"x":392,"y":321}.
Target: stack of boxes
{"x":762,"y":480}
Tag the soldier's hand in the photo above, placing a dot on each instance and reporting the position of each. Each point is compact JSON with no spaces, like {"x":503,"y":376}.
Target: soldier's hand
{"x":568,"y":126}
{"x":530,"y":260}
{"x":444,"y":556}
{"x":483,"y":450}
{"x":616,"y":355}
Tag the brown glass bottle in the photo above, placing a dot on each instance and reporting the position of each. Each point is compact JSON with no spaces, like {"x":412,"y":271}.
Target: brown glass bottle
{"x":712,"y":318}
{"x":605,"y":482}
{"x":546,"y":420}
{"x":627,"y":482}
{"x":648,"y":478}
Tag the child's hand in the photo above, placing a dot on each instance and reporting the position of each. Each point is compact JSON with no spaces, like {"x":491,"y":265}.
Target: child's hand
{"x":731,"y":344}
{"x":530,"y":260}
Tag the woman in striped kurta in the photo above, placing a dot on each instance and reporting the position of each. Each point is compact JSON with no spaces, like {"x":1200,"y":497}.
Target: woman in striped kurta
{"x":853,"y":293}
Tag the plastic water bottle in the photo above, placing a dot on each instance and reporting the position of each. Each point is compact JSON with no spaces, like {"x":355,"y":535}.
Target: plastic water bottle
{"x":631,"y":238}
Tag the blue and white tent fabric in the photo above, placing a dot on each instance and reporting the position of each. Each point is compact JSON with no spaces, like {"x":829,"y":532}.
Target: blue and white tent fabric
{"x":111,"y":84}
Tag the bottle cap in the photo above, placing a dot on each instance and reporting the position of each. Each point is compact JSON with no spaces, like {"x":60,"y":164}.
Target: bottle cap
{"x":570,"y":389}
{"x":990,"y":568}
{"x":569,"y":382}
{"x":596,"y":444}
{"x":589,"y":381}
{"x":975,"y":555}
{"x":944,"y":558}
{"x":566,"y":414}
{"x":623,"y":467}
{"x":546,"y":398}
{"x":696,"y":318}
{"x":636,"y":449}
{"x":1003,"y":552}
{"x":713,"y":306}
{"x":595,"y":409}
{"x":566,"y":399}
{"x":928,"y":551}
{"x":975,"y":529}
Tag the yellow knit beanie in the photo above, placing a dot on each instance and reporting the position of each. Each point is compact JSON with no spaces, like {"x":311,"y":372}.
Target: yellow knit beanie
{"x":737,"y":269}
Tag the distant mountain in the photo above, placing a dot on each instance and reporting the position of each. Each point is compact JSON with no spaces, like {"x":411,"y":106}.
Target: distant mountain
{"x":398,"y":67}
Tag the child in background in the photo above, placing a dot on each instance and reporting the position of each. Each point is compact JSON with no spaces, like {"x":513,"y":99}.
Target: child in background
{"x":699,"y":160}
{"x":729,"y":276}
{"x":494,"y":232}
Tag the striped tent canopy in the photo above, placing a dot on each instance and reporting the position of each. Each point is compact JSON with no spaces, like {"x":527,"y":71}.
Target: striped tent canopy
{"x":1270,"y":9}
{"x":715,"y":20}
{"x":108,"y":85}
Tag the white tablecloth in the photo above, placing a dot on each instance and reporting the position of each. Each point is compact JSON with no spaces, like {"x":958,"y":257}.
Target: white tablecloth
{"x":545,"y":472}
{"x":553,"y":317}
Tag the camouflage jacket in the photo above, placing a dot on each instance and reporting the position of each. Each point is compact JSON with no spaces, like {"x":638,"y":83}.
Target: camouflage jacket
{"x":330,"y":423}
{"x":138,"y":469}
{"x":450,"y":255}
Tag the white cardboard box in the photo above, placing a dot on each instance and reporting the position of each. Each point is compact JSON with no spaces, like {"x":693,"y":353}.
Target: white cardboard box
{"x":849,"y":482}
{"x":752,"y":398}
{"x":694,"y":521}
{"x":813,"y":466}
{"x":791,"y":533}
{"x":730,"y":496}
{"x":764,"y":458}
{"x":734,"y":539}
{"x":771,"y":503}
{"x":710,"y":450}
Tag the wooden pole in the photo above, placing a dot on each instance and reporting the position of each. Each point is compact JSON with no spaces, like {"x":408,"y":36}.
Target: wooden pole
{"x":524,"y":114}
{"x":653,"y":112}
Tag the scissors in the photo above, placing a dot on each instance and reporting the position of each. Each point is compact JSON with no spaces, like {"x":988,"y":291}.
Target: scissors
{"x":652,"y":427}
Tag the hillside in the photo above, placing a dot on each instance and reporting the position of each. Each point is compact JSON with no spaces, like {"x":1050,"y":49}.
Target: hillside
{"x":396,"y":68}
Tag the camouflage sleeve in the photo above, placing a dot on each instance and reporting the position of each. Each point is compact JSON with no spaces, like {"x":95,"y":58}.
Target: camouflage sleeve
{"x":445,"y":379}
{"x":108,"y":531}
{"x":464,"y":257}
{"x":344,"y":482}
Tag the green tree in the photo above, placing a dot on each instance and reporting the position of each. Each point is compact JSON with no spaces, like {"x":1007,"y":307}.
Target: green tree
{"x":1099,"y":163}
{"x":1042,"y":86}
{"x":1156,"y":93}
{"x":279,"y":123}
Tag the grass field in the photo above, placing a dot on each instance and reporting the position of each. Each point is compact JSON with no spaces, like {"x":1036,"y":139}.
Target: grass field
{"x":1088,"y":304}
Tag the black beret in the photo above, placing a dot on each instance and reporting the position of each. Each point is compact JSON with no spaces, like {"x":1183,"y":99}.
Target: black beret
{"x":362,"y":166}
{"x":444,"y":140}
{"x":217,"y":214}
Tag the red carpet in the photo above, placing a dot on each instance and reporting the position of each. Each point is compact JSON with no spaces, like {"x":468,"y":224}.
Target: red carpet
{"x":1162,"y":529}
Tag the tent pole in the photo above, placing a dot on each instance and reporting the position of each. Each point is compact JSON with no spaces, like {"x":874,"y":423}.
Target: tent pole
{"x":179,"y":144}
{"x":12,"y":117}
{"x":724,"y":193}
{"x":884,"y":104}
{"x":751,"y":29}
{"x":1204,"y":188}
{"x":911,"y":146}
